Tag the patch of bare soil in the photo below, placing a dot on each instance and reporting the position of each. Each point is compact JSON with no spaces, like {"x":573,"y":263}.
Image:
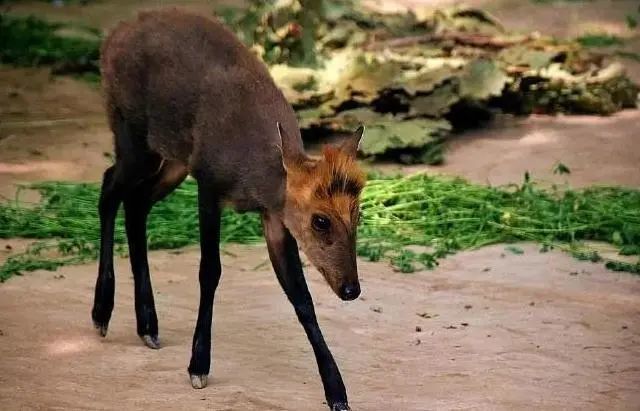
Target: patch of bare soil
{"x":486,"y":330}
{"x":51,"y":128}
{"x":597,"y":150}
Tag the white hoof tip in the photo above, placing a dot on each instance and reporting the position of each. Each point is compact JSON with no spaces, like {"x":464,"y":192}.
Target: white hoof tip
{"x":151,"y":341}
{"x":199,"y":381}
{"x":340,"y":406}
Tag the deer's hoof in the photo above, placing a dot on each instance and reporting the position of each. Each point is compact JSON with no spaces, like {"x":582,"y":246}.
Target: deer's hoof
{"x":151,"y":341}
{"x":199,"y":381}
{"x":101,"y":327}
{"x":340,"y":406}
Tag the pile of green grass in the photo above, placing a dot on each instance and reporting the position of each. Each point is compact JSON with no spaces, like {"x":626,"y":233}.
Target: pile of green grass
{"x":443,"y":215}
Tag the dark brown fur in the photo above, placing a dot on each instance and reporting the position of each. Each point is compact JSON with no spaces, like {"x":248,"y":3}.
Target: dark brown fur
{"x":204,"y":100}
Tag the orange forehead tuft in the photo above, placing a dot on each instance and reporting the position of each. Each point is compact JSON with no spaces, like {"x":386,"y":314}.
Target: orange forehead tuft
{"x":338,"y":174}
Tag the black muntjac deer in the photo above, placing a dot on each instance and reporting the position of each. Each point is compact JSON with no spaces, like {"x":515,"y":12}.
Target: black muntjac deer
{"x":185,"y":96}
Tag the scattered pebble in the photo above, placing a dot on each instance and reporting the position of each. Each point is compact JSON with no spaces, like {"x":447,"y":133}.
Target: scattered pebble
{"x":1,"y":333}
{"x":574,"y":273}
{"x":464,"y":324}
{"x":58,"y":277}
{"x":427,"y":315}
{"x":486,"y":269}
{"x":376,"y":308}
{"x":532,"y":303}
{"x":451,"y":327}
{"x":488,"y":335}
{"x":514,"y":249}
{"x":418,"y":328}
{"x":8,"y":247}
{"x":468,"y":307}
{"x":418,"y":341}
{"x":624,"y":327}
{"x":601,"y":347}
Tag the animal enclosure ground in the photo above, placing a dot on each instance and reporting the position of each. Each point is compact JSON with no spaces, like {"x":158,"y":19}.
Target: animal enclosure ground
{"x":576,"y":347}
{"x":531,"y":331}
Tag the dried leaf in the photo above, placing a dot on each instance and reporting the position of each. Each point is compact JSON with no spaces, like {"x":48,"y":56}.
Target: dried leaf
{"x":482,"y":79}
{"x":351,"y":118}
{"x":391,"y":134}
{"x":437,"y":103}
{"x":431,"y":75}
{"x":365,"y":78}
{"x":467,"y":20}
{"x":525,"y":56}
{"x":295,"y":82}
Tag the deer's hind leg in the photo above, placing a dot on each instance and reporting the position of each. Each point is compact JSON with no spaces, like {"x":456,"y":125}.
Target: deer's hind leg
{"x":137,"y":175}
{"x":110,"y":199}
{"x":132,"y":162}
{"x":137,"y":205}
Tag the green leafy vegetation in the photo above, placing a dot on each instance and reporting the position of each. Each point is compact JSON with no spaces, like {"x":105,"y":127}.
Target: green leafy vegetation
{"x":29,"y":41}
{"x":410,"y":221}
{"x":599,"y":40}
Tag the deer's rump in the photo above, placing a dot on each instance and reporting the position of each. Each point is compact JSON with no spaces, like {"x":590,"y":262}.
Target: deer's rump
{"x":183,"y":87}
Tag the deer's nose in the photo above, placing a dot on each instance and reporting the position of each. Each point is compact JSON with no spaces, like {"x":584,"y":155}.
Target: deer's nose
{"x":350,"y":291}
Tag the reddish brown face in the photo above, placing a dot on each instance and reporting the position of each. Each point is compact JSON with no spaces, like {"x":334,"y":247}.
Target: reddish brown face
{"x":322,"y":213}
{"x":328,"y":238}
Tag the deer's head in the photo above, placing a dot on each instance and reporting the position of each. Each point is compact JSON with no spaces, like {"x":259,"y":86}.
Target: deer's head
{"x":322,"y":210}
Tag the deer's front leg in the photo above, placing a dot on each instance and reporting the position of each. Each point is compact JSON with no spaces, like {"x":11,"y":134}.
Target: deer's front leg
{"x":210,"y":271}
{"x":283,"y":252}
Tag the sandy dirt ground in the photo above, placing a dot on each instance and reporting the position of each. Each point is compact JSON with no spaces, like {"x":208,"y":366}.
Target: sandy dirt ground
{"x":497,"y":331}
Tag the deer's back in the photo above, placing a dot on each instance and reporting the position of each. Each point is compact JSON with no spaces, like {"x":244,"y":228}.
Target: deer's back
{"x":199,"y":96}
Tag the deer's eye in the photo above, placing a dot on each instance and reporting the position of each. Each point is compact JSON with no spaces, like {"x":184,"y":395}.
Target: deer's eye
{"x":320,"y":223}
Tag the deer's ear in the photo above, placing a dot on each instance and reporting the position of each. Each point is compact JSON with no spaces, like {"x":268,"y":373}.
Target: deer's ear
{"x":291,"y":156}
{"x":351,"y":144}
